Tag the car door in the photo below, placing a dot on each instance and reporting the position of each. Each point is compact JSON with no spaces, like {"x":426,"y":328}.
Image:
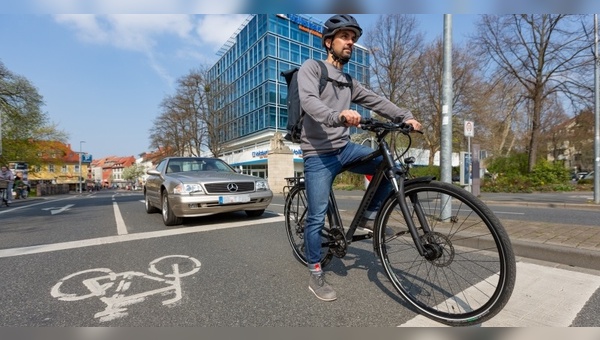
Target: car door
{"x":153,"y":184}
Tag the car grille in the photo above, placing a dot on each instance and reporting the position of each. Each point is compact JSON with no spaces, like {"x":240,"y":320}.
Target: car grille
{"x":221,"y":188}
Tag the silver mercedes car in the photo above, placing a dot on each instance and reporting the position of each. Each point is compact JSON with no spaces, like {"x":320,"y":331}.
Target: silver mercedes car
{"x":195,"y":186}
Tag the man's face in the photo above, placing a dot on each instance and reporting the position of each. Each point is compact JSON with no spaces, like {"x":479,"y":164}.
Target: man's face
{"x":343,"y":41}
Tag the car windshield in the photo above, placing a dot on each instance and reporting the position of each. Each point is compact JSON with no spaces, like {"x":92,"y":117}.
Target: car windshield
{"x":197,"y":164}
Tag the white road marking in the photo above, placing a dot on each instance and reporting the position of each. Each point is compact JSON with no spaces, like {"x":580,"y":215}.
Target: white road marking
{"x":56,"y":210}
{"x":508,"y":213}
{"x":12,"y":208}
{"x":130,"y":237}
{"x":115,"y":289}
{"x":543,"y":297}
{"x":121,"y":227}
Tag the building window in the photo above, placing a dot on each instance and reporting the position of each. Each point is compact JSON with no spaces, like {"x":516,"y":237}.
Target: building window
{"x":50,"y":167}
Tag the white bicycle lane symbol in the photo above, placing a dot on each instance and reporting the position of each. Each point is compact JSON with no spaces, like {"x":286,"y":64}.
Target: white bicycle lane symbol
{"x":112,"y":288}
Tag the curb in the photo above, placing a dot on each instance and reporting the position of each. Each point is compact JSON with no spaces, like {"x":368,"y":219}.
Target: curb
{"x":559,"y":205}
{"x":576,"y":257}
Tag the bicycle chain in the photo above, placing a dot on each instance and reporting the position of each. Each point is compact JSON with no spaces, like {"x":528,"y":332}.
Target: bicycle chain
{"x":338,"y":245}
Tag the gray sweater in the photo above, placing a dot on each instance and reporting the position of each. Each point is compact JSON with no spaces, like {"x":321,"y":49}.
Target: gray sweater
{"x":322,"y":131}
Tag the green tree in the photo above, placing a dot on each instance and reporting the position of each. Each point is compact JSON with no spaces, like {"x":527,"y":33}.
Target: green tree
{"x":133,"y":172}
{"x":22,"y":120}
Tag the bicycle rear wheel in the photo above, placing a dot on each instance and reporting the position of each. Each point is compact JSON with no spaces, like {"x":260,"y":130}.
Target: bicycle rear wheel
{"x":471,"y":273}
{"x":295,"y":212}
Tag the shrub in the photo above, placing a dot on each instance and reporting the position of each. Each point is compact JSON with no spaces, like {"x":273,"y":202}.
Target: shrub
{"x":514,"y":177}
{"x":349,"y":181}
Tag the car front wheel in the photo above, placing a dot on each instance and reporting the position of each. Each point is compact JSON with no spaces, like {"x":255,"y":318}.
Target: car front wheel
{"x":169,"y":219}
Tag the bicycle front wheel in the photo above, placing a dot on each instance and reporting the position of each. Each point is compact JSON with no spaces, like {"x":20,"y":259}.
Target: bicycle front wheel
{"x":468,"y":274}
{"x":295,"y":212}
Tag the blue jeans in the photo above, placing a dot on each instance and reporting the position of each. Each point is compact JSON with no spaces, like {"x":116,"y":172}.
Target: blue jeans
{"x":319,"y":173}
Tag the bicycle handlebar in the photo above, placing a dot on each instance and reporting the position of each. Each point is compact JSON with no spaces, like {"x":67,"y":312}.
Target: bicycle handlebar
{"x":372,"y":124}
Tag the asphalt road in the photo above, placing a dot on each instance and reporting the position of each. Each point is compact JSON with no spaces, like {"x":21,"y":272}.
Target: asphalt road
{"x":100,"y":260}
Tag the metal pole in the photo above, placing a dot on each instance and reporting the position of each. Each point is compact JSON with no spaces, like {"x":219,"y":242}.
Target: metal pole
{"x":597,"y":115}
{"x":80,"y":155}
{"x":446,"y":128}
{"x":470,"y":168}
{"x":0,"y":133}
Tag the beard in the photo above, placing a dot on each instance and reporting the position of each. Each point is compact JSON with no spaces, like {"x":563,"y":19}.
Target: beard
{"x":343,"y":57}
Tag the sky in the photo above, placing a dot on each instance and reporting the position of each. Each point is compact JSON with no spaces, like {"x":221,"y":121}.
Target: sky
{"x":103,"y":75}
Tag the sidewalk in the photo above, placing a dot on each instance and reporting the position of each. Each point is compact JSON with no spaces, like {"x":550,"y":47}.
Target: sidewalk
{"x":570,"y":245}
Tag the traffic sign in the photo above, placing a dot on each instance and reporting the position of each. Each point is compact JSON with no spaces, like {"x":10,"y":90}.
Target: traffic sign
{"x":86,"y":158}
{"x":469,"y":127}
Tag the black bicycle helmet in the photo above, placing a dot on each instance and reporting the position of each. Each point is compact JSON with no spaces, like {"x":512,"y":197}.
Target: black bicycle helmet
{"x":338,"y":22}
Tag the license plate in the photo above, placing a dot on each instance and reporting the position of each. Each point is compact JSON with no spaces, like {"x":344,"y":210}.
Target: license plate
{"x":234,"y":199}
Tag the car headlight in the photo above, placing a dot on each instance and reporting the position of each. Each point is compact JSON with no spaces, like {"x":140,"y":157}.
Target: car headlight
{"x":262,"y":185}
{"x":183,"y":188}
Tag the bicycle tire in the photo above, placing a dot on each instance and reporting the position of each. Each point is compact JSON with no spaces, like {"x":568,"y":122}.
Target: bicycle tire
{"x":295,"y":212}
{"x":473,"y":276}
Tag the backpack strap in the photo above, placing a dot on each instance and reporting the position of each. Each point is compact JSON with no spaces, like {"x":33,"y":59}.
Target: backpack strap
{"x":324,"y":76}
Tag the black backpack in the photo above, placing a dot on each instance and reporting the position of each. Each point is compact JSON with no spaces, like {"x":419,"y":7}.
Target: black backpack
{"x":294,"y":109}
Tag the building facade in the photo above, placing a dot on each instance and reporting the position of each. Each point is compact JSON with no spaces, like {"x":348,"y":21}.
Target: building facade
{"x":572,"y":143}
{"x":252,"y":93}
{"x":59,"y":165}
{"x":108,"y":172}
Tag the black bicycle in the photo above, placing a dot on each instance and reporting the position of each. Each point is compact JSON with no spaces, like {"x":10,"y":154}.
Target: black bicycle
{"x":442,"y":248}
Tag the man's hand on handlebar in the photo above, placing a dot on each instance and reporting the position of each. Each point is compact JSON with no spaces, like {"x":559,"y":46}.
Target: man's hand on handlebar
{"x":415,"y":124}
{"x":350,"y":117}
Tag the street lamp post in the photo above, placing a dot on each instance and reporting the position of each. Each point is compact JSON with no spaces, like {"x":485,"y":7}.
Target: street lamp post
{"x":80,"y":156}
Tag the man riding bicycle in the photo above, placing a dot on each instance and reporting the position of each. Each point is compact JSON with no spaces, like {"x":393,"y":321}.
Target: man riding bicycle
{"x":325,"y":140}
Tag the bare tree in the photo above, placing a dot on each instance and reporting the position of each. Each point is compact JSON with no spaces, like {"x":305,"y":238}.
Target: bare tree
{"x":410,"y":75}
{"x":499,"y":112}
{"x":544,"y":53}
{"x":169,"y":131}
{"x":189,"y":122}
{"x":213,"y":115}
{"x":395,"y":45}
{"x":424,"y":94}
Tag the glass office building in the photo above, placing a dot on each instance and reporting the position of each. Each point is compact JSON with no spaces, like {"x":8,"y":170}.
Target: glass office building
{"x":251,"y":92}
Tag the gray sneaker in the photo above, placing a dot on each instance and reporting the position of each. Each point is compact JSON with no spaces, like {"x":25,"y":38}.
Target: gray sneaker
{"x":322,"y":290}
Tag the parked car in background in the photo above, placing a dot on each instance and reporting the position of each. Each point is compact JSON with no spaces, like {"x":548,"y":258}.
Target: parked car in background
{"x":589,"y":176}
{"x":578,"y":175}
{"x":182,"y":187}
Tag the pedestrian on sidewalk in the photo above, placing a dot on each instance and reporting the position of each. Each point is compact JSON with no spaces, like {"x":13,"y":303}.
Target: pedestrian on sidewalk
{"x":7,"y":175}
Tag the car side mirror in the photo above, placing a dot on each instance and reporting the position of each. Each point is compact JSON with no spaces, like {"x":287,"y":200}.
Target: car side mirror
{"x":153,"y":172}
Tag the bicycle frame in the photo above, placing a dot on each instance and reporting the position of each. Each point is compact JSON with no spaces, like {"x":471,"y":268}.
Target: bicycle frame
{"x":387,"y":170}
